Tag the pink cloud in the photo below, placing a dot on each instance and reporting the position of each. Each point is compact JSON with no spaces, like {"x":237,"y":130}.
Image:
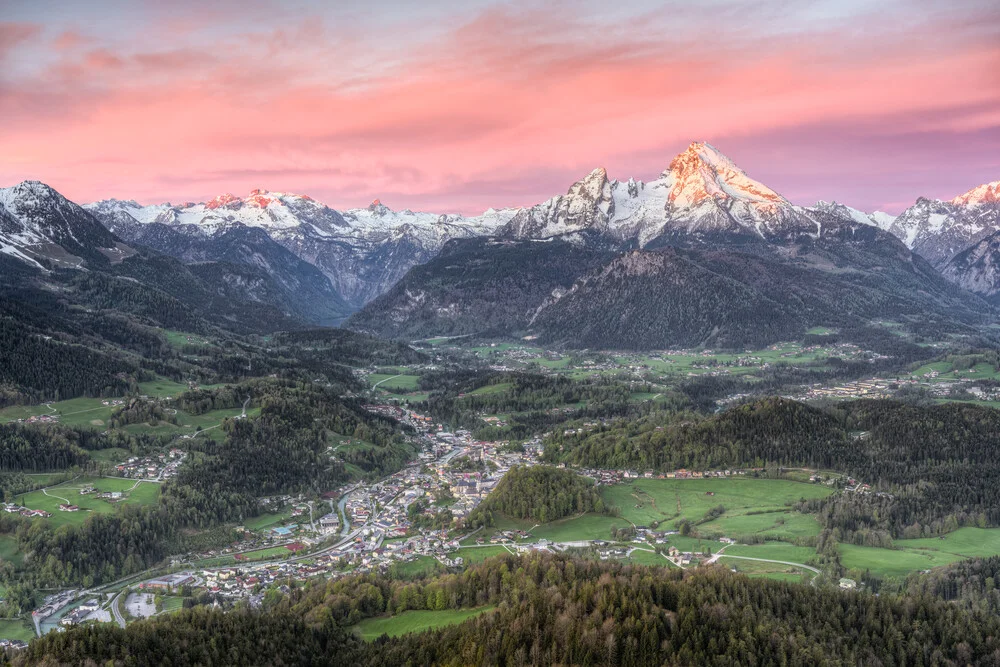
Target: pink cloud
{"x":68,"y":40}
{"x":499,"y":111}
{"x":13,"y":35}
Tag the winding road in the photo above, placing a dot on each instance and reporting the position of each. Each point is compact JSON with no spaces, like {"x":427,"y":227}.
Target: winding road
{"x":386,"y":380}
{"x":780,"y":562}
{"x":119,"y":619}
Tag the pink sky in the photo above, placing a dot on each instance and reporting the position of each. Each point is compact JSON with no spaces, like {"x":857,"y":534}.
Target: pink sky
{"x":461,"y":106}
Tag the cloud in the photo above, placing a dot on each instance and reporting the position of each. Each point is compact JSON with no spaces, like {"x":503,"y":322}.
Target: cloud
{"x":509,"y":104}
{"x":14,"y":34}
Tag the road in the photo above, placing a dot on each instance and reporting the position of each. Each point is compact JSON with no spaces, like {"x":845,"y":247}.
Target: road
{"x":420,"y":340}
{"x":780,"y":562}
{"x":52,"y":495}
{"x":119,"y":619}
{"x":386,"y":380}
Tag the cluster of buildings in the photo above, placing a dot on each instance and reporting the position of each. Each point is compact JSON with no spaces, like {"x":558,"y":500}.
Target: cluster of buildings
{"x":81,"y":613}
{"x":53,"y":603}
{"x":870,"y":388}
{"x":155,"y":466}
{"x":608,"y":477}
{"x":39,"y":419}
{"x":170,"y":582}
{"x":14,"y":508}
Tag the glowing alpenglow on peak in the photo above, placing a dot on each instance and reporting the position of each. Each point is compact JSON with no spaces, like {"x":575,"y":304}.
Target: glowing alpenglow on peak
{"x":702,"y":192}
{"x":987,"y":193}
{"x":703,"y":171}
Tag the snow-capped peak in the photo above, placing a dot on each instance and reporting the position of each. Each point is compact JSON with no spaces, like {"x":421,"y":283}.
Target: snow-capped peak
{"x":988,"y":193}
{"x":27,"y":193}
{"x":702,"y":172}
{"x":37,"y":221}
{"x":378,"y":208}
{"x":258,"y":198}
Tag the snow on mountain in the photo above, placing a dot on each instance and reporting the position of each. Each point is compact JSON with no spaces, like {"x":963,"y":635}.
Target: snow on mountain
{"x":981,"y":195}
{"x":878,"y":219}
{"x":362,"y":251}
{"x":701,"y":193}
{"x":939,"y":230}
{"x":44,"y":229}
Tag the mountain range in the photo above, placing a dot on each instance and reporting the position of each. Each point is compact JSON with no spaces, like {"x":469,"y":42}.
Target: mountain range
{"x":703,"y":255}
{"x":700,"y":253}
{"x":362,"y":252}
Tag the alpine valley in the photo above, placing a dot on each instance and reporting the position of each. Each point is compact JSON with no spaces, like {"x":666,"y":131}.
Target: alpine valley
{"x":679,"y":422}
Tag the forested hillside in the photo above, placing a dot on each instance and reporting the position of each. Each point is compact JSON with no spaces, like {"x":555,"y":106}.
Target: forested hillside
{"x":539,"y":493}
{"x":584,"y":293}
{"x":931,"y":467}
{"x":553,"y":610}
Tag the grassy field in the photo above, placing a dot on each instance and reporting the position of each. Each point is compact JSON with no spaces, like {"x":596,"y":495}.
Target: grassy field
{"x":162,"y":388}
{"x":93,"y":413}
{"x":890,"y":562}
{"x":478,"y":554}
{"x":946,"y":371}
{"x":645,"y":501}
{"x":271,"y":553}
{"x":74,"y":412}
{"x":16,"y":628}
{"x":8,"y":550}
{"x":188,"y":424}
{"x":642,"y":557}
{"x":772,"y":525}
{"x":418,"y":567}
{"x":586,"y":527}
{"x":414,"y":621}
{"x":146,"y":493}
{"x":394,"y":383}
{"x":694,"y":544}
{"x":766,"y":570}
{"x":181,"y":338}
{"x":966,"y":542}
{"x":268,"y":520}
{"x":171,"y":604}
{"x":772,"y":551}
{"x":923,"y":554}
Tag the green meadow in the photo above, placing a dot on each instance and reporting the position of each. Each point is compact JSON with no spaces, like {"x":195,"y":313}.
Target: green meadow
{"x":414,"y":621}
{"x":394,"y":383}
{"x":16,"y":628}
{"x":141,"y":493}
{"x":645,"y":501}
{"x":418,"y":567}
{"x":892,"y":562}
{"x":477,"y":554}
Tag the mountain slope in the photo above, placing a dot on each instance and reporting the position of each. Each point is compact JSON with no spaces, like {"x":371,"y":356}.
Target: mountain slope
{"x":711,"y":257}
{"x":53,"y":244}
{"x":577,"y":295}
{"x":487,"y":286}
{"x":702,"y":194}
{"x":44,"y":229}
{"x":751,"y":296}
{"x":977,"y":268}
{"x":305,"y":287}
{"x":939,"y":230}
{"x":363,"y":252}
